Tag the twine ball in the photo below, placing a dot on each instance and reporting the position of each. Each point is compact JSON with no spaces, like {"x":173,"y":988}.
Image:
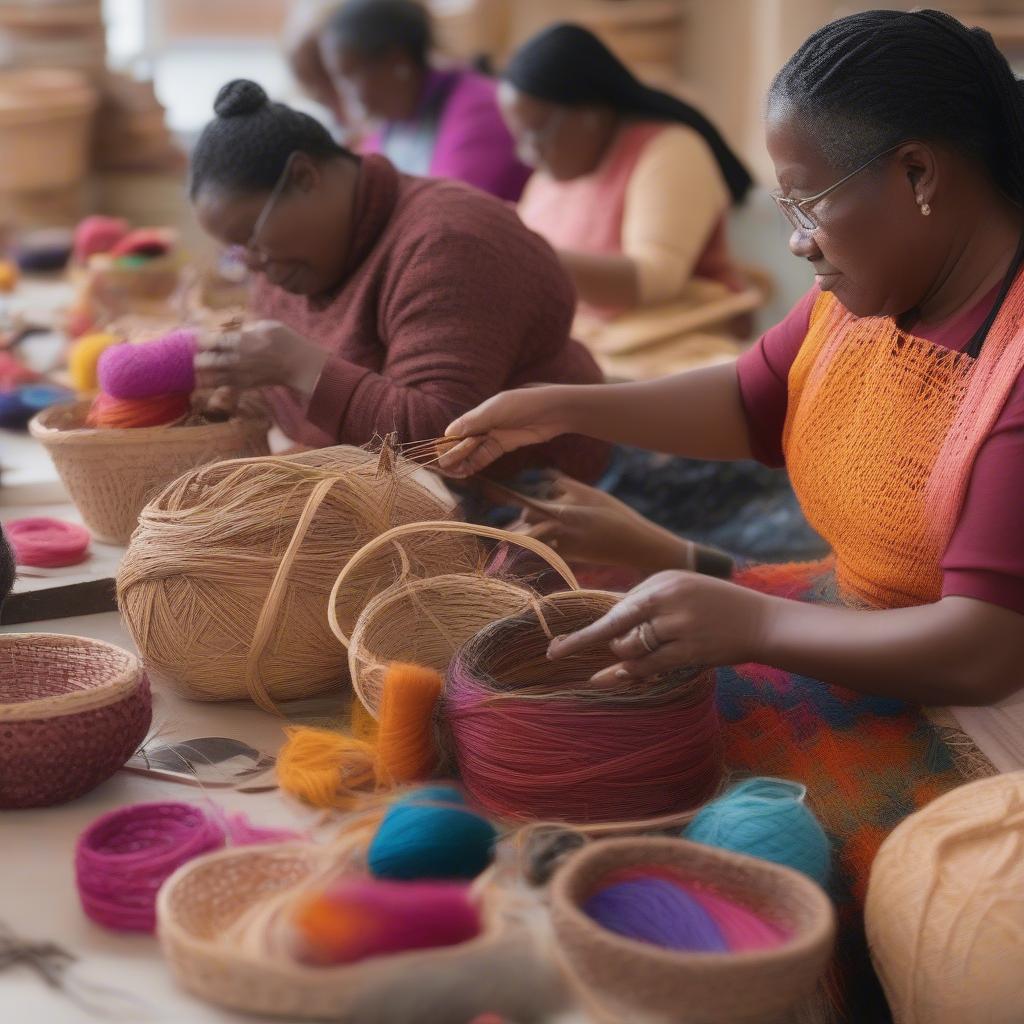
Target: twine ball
{"x":84,"y":357}
{"x":431,"y":834}
{"x":766,"y":818}
{"x":945,"y":907}
{"x":163,"y":366}
{"x":224,"y":587}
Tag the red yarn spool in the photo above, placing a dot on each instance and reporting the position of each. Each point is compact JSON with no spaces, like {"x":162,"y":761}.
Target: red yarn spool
{"x":120,"y":413}
{"x":44,"y":543}
{"x":535,"y":740}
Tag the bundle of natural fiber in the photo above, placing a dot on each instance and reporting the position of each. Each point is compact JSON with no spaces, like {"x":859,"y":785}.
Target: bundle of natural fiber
{"x":426,"y":620}
{"x":224,"y":587}
{"x":944,"y":914}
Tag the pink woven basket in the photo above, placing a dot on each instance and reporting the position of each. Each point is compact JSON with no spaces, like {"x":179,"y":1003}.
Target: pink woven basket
{"x":72,"y":711}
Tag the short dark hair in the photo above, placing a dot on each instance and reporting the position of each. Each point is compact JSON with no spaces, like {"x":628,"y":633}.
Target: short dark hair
{"x":373,"y":28}
{"x":875,"y":79}
{"x":246,"y":146}
{"x":6,"y":568}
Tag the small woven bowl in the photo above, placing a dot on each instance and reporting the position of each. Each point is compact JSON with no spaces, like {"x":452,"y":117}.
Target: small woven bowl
{"x":634,"y":979}
{"x":199,"y":908}
{"x":72,"y":711}
{"x":112,"y":473}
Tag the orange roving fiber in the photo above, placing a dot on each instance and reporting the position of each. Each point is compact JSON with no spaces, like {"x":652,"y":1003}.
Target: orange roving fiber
{"x":142,"y":412}
{"x":333,"y":770}
{"x":405,"y":738}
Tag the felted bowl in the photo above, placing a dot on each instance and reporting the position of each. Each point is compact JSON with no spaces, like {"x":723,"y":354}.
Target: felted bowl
{"x":635,"y":979}
{"x":111,"y":474}
{"x":426,"y":620}
{"x":199,"y":909}
{"x":72,"y":711}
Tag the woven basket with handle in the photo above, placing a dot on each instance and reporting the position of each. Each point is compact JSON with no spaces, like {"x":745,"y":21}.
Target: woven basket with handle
{"x":426,"y":620}
{"x":72,"y":711}
{"x":112,"y":474}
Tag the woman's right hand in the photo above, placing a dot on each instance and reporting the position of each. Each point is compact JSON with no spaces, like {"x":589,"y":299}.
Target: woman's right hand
{"x":504,"y":423}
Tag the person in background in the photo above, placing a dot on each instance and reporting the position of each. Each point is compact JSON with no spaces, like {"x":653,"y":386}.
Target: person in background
{"x":384,"y":302}
{"x":894,"y":393}
{"x":301,"y":44}
{"x":442,"y":123}
{"x":632,"y":186}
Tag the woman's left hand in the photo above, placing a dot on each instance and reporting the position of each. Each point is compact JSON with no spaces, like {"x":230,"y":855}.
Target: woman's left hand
{"x":675,"y":619}
{"x":257,"y":355}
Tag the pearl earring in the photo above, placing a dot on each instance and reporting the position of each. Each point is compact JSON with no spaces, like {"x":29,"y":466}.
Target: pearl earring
{"x":925,"y":208}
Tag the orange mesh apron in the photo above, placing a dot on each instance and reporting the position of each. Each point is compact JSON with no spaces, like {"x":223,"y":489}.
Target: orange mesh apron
{"x":880,"y":438}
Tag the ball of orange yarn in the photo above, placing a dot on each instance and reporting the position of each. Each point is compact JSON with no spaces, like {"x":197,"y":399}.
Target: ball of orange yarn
{"x":120,"y":413}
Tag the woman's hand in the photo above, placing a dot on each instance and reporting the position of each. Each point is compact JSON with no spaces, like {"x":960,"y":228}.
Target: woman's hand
{"x":511,"y":420}
{"x":259,"y":355}
{"x":588,"y":525}
{"x":675,"y":619}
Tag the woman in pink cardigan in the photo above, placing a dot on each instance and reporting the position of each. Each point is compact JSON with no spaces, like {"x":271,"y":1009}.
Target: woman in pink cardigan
{"x":431,"y":122}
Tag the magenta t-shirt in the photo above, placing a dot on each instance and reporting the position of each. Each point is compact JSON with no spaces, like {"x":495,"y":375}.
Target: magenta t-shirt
{"x":985,"y":557}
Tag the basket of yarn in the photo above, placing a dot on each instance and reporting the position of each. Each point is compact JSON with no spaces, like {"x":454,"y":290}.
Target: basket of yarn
{"x":426,"y":620}
{"x":272,"y":930}
{"x":534,"y":739}
{"x":944,"y":914}
{"x":72,"y":711}
{"x":665,"y":929}
{"x":110,"y":473}
{"x":258,"y":542}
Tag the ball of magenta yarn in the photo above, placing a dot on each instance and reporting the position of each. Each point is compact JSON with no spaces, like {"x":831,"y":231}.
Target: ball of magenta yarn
{"x":163,"y":366}
{"x":657,"y":911}
{"x":124,"y":857}
{"x":45,"y":543}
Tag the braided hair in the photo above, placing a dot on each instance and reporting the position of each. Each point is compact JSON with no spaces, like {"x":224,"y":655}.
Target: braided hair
{"x":869,"y":81}
{"x":246,"y":146}
{"x":373,"y":28}
{"x":872,"y":80}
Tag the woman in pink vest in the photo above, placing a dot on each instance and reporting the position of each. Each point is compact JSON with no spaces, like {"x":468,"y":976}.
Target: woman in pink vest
{"x":632,"y":185}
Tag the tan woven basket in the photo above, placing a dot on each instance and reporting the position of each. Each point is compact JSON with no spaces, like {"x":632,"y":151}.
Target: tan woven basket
{"x":426,"y":621}
{"x":201,"y":905}
{"x":112,"y":474}
{"x":637,"y":981}
{"x":72,"y":711}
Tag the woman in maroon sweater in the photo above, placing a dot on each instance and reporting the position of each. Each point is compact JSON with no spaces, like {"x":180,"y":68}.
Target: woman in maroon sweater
{"x":387,"y":302}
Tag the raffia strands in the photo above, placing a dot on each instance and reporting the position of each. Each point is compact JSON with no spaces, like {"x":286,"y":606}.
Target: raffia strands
{"x":225,"y":585}
{"x":535,"y":740}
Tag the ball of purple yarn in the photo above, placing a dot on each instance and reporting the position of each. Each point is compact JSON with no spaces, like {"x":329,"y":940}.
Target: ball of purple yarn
{"x":163,"y":366}
{"x":657,"y":911}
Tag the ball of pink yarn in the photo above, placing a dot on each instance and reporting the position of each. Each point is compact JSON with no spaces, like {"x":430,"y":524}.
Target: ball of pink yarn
{"x":163,"y":366}
{"x":124,"y":857}
{"x":46,"y":543}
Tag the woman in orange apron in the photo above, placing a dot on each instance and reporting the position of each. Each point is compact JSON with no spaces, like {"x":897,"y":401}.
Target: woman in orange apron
{"x":893,"y":395}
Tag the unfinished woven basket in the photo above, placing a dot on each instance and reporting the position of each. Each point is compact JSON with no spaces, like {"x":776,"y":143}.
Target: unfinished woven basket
{"x":72,"y":711}
{"x":426,"y":620}
{"x":112,"y":474}
{"x":200,"y":910}
{"x":635,"y":980}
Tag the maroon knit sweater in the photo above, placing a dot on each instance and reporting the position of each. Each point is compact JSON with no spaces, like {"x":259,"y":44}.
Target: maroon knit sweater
{"x":448,"y":300}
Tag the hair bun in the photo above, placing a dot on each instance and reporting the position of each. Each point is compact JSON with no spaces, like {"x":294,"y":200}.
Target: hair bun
{"x":238,"y":98}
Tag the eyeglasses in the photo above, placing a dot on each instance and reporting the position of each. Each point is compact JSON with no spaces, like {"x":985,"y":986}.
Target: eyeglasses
{"x":797,"y":211}
{"x":251,"y":251}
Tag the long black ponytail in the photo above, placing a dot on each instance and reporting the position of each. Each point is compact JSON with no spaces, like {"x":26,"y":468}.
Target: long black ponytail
{"x":870,"y":80}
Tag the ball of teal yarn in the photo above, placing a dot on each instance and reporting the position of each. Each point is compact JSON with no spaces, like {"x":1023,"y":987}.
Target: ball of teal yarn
{"x":766,"y":818}
{"x":431,"y":834}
